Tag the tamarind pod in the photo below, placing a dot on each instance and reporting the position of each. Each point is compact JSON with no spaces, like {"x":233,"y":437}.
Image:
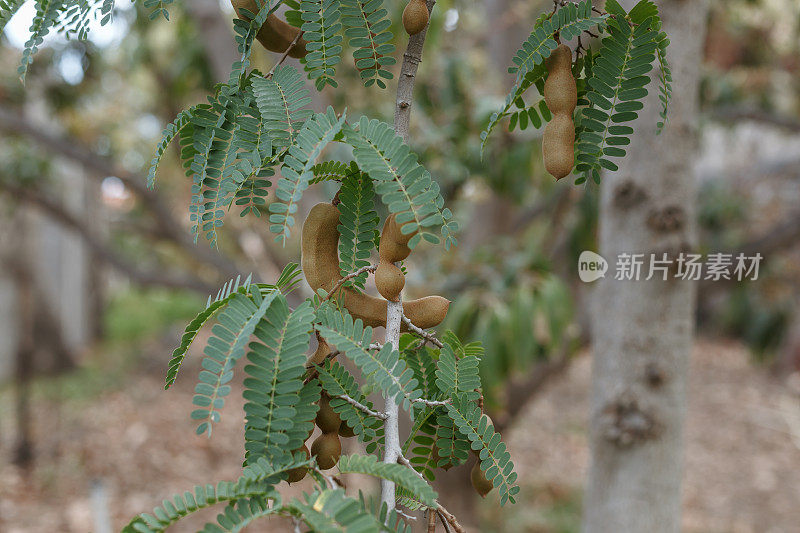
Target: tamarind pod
{"x":561,"y":96}
{"x":480,"y":482}
{"x":393,"y":246}
{"x":296,"y":474}
{"x":415,"y":16}
{"x":320,"y":261}
{"x":327,"y":448}
{"x":327,"y":419}
{"x":346,"y":431}
{"x":560,"y":90}
{"x":275,"y":35}
{"x":389,"y":280}
{"x":321,"y":353}
{"x":558,"y":146}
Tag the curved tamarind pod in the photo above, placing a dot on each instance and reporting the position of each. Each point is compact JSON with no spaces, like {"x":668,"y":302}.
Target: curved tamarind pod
{"x":322,"y":352}
{"x":275,"y":35}
{"x":415,"y":16}
{"x":320,"y":262}
{"x":394,"y":244}
{"x":561,"y":96}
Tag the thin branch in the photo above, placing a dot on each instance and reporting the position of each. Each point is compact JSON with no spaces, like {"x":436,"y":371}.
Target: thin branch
{"x":444,"y":521}
{"x":358,"y":405}
{"x":403,"y":460}
{"x":330,"y":480}
{"x":431,"y":403}
{"x":422,"y":333}
{"x":450,"y":519}
{"x":394,"y":310}
{"x":368,"y":268}
{"x":284,"y":55}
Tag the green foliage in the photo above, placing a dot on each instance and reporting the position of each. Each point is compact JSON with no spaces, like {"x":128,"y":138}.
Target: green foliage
{"x":257,"y":481}
{"x":273,"y":386}
{"x":611,"y":81}
{"x":321,"y":29}
{"x":665,"y":75}
{"x":338,"y":382}
{"x":331,"y":511}
{"x":405,"y":187}
{"x":358,"y":223}
{"x":333,"y":171}
{"x":223,"y":297}
{"x":315,"y":134}
{"x":619,"y":76}
{"x":226,"y":345}
{"x":390,"y":520}
{"x":569,"y":21}
{"x":383,"y":368}
{"x":495,"y":461}
{"x":44,"y":19}
{"x":7,"y":10}
{"x":281,"y":100}
{"x":158,"y":7}
{"x":169,"y":133}
{"x":421,"y":443}
{"x":239,"y":514}
{"x":367,"y":28}
{"x":399,"y":474}
{"x":245,"y":32}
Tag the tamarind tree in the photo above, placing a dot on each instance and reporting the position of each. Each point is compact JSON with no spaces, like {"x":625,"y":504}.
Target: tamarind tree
{"x":255,"y":134}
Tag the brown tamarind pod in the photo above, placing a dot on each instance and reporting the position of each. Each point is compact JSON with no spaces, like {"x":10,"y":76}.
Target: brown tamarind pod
{"x":296,"y":474}
{"x":327,"y":448}
{"x":415,"y":16}
{"x":320,"y":262}
{"x":389,"y":280}
{"x":327,"y":419}
{"x":558,"y":146}
{"x":393,"y":246}
{"x":480,"y":483}
{"x":275,"y":35}
{"x":323,"y":350}
{"x":346,"y":431}
{"x":561,"y":96}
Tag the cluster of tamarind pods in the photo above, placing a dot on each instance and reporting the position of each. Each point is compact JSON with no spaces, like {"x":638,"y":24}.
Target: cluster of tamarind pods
{"x":320,"y":262}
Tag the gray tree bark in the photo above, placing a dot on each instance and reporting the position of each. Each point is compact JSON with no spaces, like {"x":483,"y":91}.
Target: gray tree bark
{"x":643,"y":329}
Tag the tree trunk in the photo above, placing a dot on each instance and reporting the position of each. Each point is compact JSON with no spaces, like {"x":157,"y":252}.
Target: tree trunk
{"x":643,"y":329}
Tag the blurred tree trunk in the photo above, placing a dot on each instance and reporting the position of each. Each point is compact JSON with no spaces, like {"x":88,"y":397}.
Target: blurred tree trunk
{"x":643,"y":329}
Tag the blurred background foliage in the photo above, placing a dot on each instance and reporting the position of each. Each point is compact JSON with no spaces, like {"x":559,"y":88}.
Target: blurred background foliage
{"x":515,"y":269}
{"x":513,"y":282}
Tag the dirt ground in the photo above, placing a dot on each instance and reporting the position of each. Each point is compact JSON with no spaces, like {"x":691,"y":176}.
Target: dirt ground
{"x":127,"y":450}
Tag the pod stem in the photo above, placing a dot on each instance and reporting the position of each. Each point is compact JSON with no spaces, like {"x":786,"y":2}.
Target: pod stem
{"x":394,"y":310}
